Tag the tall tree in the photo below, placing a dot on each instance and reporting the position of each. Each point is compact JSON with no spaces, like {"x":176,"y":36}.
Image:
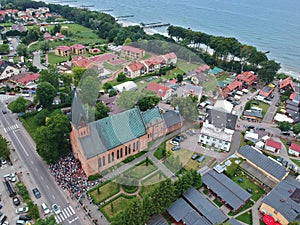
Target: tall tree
{"x":148,"y":102}
{"x":44,"y":46}
{"x":4,"y":150}
{"x":19,"y":105}
{"x":22,"y":50}
{"x":284,"y":126}
{"x":268,"y":71}
{"x":101,"y":111}
{"x":78,"y":72}
{"x":50,"y":75}
{"x":245,"y":53}
{"x":186,"y":107}
{"x":90,"y":86}
{"x":45,"y":94}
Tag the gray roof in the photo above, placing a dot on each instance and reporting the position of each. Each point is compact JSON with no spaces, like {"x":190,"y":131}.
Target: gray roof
{"x":171,"y":118}
{"x":254,"y":113}
{"x":290,"y":102}
{"x":204,"y":207}
{"x":280,"y":198}
{"x":297,"y":97}
{"x":268,"y":165}
{"x":79,"y":113}
{"x":193,"y":218}
{"x":233,"y":221}
{"x":226,"y":189}
{"x":179,"y":209}
{"x":157,"y":220}
{"x":221,"y":119}
{"x":292,"y":107}
{"x":267,"y":89}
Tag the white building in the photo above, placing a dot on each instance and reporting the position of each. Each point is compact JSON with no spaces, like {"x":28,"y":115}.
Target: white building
{"x":127,"y":86}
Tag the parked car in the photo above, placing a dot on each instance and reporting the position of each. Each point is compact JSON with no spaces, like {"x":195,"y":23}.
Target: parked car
{"x":176,"y":139}
{"x":56,"y":208}
{"x":36,"y":192}
{"x":22,"y":210}
{"x":3,"y":220}
{"x":277,"y":104}
{"x":285,"y":163}
{"x":184,"y":136}
{"x":25,"y":217}
{"x":11,"y":177}
{"x":250,"y":127}
{"x":249,"y":190}
{"x":4,"y":111}
{"x":174,"y":143}
{"x":286,"y":133}
{"x":280,"y":159}
{"x":255,"y":103}
{"x":200,"y":160}
{"x":16,"y":201}
{"x":288,"y":143}
{"x":261,"y":128}
{"x":195,"y":156}
{"x":175,"y":148}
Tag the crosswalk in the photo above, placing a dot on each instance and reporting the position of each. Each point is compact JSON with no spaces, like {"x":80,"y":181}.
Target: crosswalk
{"x":11,"y":128}
{"x":4,"y":97}
{"x":65,"y":214}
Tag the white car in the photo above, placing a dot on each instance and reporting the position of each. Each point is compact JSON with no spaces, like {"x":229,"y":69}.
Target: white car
{"x":174,"y":143}
{"x":56,"y":208}
{"x":22,"y":210}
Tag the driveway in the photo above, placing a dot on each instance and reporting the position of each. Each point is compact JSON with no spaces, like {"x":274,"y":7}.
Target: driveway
{"x":37,"y":61}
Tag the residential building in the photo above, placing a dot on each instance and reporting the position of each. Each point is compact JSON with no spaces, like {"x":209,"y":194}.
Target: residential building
{"x":247,"y":78}
{"x":162,"y":91}
{"x":273,"y":146}
{"x":235,"y":85}
{"x":197,"y":78}
{"x":253,"y":115}
{"x":287,"y":83}
{"x":216,"y":71}
{"x":283,"y":202}
{"x":134,"y":69}
{"x":19,"y":27}
{"x":25,"y":78}
{"x":87,"y":63}
{"x":190,"y":89}
{"x":173,"y":120}
{"x":132,"y":52}
{"x":62,"y":51}
{"x":223,"y":105}
{"x":77,"y":49}
{"x":294,"y":149}
{"x":154,"y":63}
{"x":226,"y":190}
{"x":267,"y":91}
{"x":170,"y":58}
{"x":7,"y":70}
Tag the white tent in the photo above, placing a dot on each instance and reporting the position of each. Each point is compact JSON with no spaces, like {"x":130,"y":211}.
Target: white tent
{"x":127,"y":86}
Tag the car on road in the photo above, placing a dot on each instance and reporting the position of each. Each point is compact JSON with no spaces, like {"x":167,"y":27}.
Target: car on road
{"x":277,"y":104}
{"x":286,"y":133}
{"x":250,"y":127}
{"x":20,"y":222}
{"x":260,"y":128}
{"x":194,"y":157}
{"x":22,"y":210}
{"x":1,"y":206}
{"x":36,"y":192}
{"x":45,"y":208}
{"x":175,"y":148}
{"x":2,"y":222}
{"x":174,"y":143}
{"x":16,"y":201}
{"x":1,"y":213}
{"x":176,"y":139}
{"x":56,"y":208}
{"x":25,"y":217}
{"x":4,"y":111}
{"x":184,"y":136}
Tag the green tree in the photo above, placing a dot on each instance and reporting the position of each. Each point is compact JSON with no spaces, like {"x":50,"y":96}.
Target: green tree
{"x":90,"y":87}
{"x":294,"y":223}
{"x":148,"y":102}
{"x":47,"y":221}
{"x":284,"y":126}
{"x":101,"y":111}
{"x":77,"y":72}
{"x":40,"y":118}
{"x":186,"y":107}
{"x":44,"y":46}
{"x":4,"y":150}
{"x":4,"y":49}
{"x":179,"y":78}
{"x":19,"y":105}
{"x":22,"y":50}
{"x":121,"y":77}
{"x":248,"y":106}
{"x":50,"y":75}
{"x":127,"y":41}
{"x":45,"y":94}
{"x":245,"y":53}
{"x":296,"y":128}
{"x":268,"y":71}
{"x":56,"y":28}
{"x":107,"y":86}
{"x":112,"y":92}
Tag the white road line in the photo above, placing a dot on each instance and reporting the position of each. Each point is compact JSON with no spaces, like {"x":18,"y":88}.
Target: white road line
{"x":21,"y":145}
{"x":64,"y":214}
{"x":42,"y":178}
{"x":5,"y":130}
{"x":53,"y":196}
{"x":47,"y":187}
{"x":72,"y":209}
{"x":57,"y":218}
{"x":71,"y":221}
{"x":67,"y":213}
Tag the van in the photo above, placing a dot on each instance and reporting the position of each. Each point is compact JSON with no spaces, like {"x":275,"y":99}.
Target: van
{"x":45,"y":208}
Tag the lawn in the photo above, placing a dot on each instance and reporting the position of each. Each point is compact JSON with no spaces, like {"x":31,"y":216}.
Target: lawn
{"x":296,"y":161}
{"x":210,"y":84}
{"x":262,"y":105}
{"x":116,"y":206}
{"x":186,"y":66}
{"x":55,"y":59}
{"x":257,"y":192}
{"x":246,"y":217}
{"x":217,"y":202}
{"x":140,"y":170}
{"x":111,"y":67}
{"x":172,"y":73}
{"x":159,"y":151}
{"x":151,"y":182}
{"x":107,"y":190}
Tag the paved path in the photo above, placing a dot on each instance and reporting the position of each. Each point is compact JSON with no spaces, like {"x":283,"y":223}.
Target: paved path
{"x":272,"y":109}
{"x":37,"y":61}
{"x":255,"y":211}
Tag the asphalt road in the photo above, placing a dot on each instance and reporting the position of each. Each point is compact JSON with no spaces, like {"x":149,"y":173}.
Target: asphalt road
{"x":38,"y":170}
{"x":37,"y":61}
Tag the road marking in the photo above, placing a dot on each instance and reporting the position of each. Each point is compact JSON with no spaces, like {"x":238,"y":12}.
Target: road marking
{"x":72,"y":209}
{"x":5,"y":130}
{"x":57,"y":218}
{"x":52,"y":195}
{"x":42,"y":178}
{"x":21,"y":144}
{"x":64,"y":214}
{"x":47,"y":186}
{"x":67,"y":213}
{"x":71,"y":221}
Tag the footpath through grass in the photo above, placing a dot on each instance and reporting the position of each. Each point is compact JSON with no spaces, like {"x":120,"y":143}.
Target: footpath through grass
{"x":106,"y":190}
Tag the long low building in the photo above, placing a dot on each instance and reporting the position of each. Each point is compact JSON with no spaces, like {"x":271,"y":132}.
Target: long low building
{"x":227,"y":190}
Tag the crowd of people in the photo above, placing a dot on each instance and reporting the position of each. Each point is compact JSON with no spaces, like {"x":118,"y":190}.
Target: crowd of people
{"x":69,"y":175}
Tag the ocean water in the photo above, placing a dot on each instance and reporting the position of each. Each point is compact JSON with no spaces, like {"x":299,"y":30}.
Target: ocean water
{"x":269,"y":25}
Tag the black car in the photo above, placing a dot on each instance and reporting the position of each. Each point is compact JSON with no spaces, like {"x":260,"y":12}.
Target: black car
{"x":285,"y":163}
{"x":195,"y":156}
{"x":249,"y":190}
{"x":25,"y":217}
{"x":3,"y":219}
{"x":16,"y":201}
{"x":286,"y":133}
{"x":36,"y":193}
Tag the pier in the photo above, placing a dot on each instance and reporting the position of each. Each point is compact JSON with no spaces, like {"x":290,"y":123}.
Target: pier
{"x":119,"y":17}
{"x":157,"y":25}
{"x":106,"y":10}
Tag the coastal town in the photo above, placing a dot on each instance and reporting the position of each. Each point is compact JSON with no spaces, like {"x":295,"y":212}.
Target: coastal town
{"x":106,"y":124}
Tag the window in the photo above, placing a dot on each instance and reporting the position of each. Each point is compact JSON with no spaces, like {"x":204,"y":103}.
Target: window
{"x":129,"y":149}
{"x":121,"y":152}
{"x":137,"y":145}
{"x":125,"y":150}
{"x":99,"y":162}
{"x":108,"y":158}
{"x":118,"y":154}
{"x":134,"y":147}
{"x":103,"y":160}
{"x":112,"y":156}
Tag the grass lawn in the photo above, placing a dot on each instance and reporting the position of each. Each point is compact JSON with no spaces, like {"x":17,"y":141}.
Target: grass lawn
{"x":296,"y":161}
{"x":186,"y":66}
{"x":217,"y":202}
{"x":141,"y":170}
{"x":246,"y":217}
{"x":106,"y":190}
{"x":55,"y":59}
{"x":223,"y":77}
{"x":257,"y":192}
{"x":262,"y":105}
{"x":119,"y":203}
{"x":151,"y":182}
{"x":246,"y":206}
{"x":261,"y":222}
{"x":243,"y":142}
{"x":112,"y":67}
{"x":159,"y":151}
{"x":210,"y":84}
{"x":172,"y":73}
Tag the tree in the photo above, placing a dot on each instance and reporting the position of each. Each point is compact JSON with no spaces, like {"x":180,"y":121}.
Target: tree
{"x":19,"y":105}
{"x":47,"y":221}
{"x":40,"y":118}
{"x":101,"y":111}
{"x":296,"y":128}
{"x":112,"y":92}
{"x":179,"y":78}
{"x":127,"y":41}
{"x":22,"y":50}
{"x":284,"y":126}
{"x":4,"y":150}
{"x":107,"y":86}
{"x":121,"y":77}
{"x":77,"y":71}
{"x":248,"y":106}
{"x":186,"y":107}
{"x":50,"y":75}
{"x":56,"y":28}
{"x":90,"y":87}
{"x":268,"y":71}
{"x":294,"y":223}
{"x":245,"y":53}
{"x":44,"y":46}
{"x":148,"y":102}
{"x":4,"y":49}
{"x":45,"y":94}
{"x":52,"y":141}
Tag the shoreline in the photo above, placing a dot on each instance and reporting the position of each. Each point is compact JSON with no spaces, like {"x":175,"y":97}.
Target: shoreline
{"x":293,"y":72}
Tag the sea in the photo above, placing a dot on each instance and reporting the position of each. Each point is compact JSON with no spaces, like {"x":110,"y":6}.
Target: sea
{"x":270,"y":25}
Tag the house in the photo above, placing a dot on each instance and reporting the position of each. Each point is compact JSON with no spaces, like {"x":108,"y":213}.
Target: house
{"x":202,"y":68}
{"x":273,"y":146}
{"x":162,"y":91}
{"x":170,"y":58}
{"x":126,"y":86}
{"x":251,"y":136}
{"x":266,"y":91}
{"x":134,"y":69}
{"x":7,"y":70}
{"x":154,"y":63}
{"x":132,"y":52}
{"x":77,"y":49}
{"x":216,"y":71}
{"x":87,"y":63}
{"x":295,"y":97}
{"x":18,"y":27}
{"x":235,"y":85}
{"x":173,"y":120}
{"x":48,"y":37}
{"x":94,"y":50}
{"x":25,"y":78}
{"x":157,"y":220}
{"x":226,"y":190}
{"x":283,"y":202}
{"x":190,"y":89}
{"x":197,"y":77}
{"x":217,"y":130}
{"x":294,"y":149}
{"x":253,"y":115}
{"x":62,"y":51}
{"x":287,"y":83}
{"x":247,"y":78}
{"x":223,"y":105}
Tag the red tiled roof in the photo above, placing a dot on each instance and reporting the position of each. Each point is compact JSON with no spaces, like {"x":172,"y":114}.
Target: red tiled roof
{"x":63,"y":48}
{"x":174,"y":81}
{"x":160,"y":90}
{"x":235,"y":84}
{"x":202,"y":68}
{"x":135,"y":66}
{"x":81,"y":61}
{"x":293,"y":95}
{"x":155,"y":60}
{"x":103,"y":57}
{"x":78,"y":46}
{"x":273,"y":144}
{"x":132,"y":49}
{"x":287,"y":81}
{"x":295,"y":147}
{"x":25,"y":78}
{"x":247,"y":77}
{"x":170,"y":55}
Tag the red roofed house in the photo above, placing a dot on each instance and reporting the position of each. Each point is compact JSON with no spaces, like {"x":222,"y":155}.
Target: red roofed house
{"x":247,"y":78}
{"x":266,"y":91}
{"x":287,"y":83}
{"x":162,"y":91}
{"x":25,"y":78}
{"x":171,"y":58}
{"x":87,"y":63}
{"x":132,"y":52}
{"x":231,"y":87}
{"x":273,"y":146}
{"x":48,"y":37}
{"x":294,"y":149}
{"x":62,"y":51}
{"x":154,"y":63}
{"x":78,"y":49}
{"x":134,"y":69}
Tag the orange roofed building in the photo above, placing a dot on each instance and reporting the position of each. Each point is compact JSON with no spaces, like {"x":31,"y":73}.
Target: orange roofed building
{"x":78,"y":49}
{"x":247,"y":78}
{"x":134,"y":69}
{"x":287,"y":83}
{"x":62,"y":51}
{"x":132,"y":52}
{"x":162,"y":91}
{"x":231,"y":87}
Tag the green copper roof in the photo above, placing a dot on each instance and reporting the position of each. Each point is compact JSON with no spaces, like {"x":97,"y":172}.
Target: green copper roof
{"x":151,"y":115}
